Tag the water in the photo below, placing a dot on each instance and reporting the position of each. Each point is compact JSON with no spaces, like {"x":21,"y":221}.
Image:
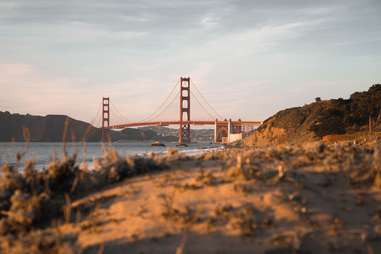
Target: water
{"x":43,"y":153}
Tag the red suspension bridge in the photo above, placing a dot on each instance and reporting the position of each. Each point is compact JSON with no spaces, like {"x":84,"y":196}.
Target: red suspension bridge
{"x":225,"y":130}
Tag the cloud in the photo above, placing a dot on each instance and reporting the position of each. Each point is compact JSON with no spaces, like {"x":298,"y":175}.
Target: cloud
{"x":67,"y":53}
{"x":27,"y":89}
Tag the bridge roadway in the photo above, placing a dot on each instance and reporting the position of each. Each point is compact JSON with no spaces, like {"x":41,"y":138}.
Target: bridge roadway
{"x":192,"y":122}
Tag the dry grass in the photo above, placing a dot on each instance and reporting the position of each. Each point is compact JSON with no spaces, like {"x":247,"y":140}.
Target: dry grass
{"x":355,"y":137}
{"x":304,"y":184}
{"x":32,"y":199}
{"x":40,"y":242}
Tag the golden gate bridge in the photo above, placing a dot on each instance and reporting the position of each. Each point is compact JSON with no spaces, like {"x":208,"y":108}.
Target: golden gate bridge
{"x":225,"y":130}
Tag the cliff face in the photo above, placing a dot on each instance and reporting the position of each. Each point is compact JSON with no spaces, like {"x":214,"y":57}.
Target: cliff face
{"x":316,"y":120}
{"x":50,"y":128}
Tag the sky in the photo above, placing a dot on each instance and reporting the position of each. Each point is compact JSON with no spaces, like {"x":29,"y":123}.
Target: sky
{"x":249,"y":58}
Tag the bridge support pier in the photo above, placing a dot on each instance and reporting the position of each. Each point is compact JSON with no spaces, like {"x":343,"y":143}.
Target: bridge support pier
{"x":227,"y":131}
{"x":229,"y":128}
{"x":184,"y":128}
{"x":220,"y":131}
{"x":105,"y":117}
{"x":215,"y":137}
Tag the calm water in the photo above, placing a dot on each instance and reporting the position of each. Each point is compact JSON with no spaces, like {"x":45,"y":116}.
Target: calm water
{"x":42,"y":153}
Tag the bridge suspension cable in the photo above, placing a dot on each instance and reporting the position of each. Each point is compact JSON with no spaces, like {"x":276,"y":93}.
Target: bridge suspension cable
{"x":175,"y":97}
{"x":206,"y":102}
{"x":202,"y":106}
{"x":95,"y":121}
{"x":174,"y":94}
{"x":164,"y":105}
{"x":119,"y":116}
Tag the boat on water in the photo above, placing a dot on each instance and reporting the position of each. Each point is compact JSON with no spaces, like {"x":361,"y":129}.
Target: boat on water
{"x":157,"y":143}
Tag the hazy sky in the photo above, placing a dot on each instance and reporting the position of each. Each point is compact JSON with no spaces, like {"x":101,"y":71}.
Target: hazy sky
{"x":250,"y":58}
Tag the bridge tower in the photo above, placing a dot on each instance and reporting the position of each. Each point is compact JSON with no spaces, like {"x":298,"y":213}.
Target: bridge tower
{"x":184,"y":128}
{"x":105,"y":116}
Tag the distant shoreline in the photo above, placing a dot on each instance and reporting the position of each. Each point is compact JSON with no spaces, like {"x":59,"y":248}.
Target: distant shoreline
{"x":43,"y":152}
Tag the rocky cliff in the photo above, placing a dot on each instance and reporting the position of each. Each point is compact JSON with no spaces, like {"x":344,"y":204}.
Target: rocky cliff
{"x":323,"y":117}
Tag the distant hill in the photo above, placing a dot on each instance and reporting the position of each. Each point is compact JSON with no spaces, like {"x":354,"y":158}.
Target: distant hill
{"x":321,"y":118}
{"x":201,"y":135}
{"x":50,"y":128}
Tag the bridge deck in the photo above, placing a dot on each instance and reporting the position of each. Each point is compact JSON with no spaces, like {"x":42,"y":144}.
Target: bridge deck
{"x":195,"y":122}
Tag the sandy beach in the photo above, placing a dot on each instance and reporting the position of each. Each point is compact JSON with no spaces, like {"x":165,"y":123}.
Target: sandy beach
{"x":315,"y":198}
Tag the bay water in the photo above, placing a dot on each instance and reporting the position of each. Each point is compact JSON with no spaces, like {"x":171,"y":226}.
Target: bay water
{"x":43,"y":153}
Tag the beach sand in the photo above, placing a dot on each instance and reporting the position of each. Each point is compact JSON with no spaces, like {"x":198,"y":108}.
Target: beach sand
{"x":288,"y":199}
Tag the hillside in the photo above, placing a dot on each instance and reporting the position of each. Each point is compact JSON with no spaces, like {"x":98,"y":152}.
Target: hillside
{"x":201,"y":135}
{"x":316,"y":120}
{"x":50,"y":128}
